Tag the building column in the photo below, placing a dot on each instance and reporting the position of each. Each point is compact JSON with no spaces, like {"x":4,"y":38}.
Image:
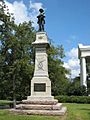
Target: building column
{"x":83,"y":76}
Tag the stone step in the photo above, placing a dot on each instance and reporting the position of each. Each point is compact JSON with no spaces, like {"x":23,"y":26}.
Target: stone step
{"x":40,"y":97}
{"x":58,"y":106}
{"x":40,"y":112}
{"x":41,"y":102}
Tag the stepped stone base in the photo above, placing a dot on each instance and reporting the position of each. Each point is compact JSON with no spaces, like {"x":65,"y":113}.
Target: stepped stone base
{"x":41,"y":112}
{"x":40,"y":107}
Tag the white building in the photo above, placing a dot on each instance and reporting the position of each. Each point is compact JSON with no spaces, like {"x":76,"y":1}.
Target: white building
{"x":84,"y":56}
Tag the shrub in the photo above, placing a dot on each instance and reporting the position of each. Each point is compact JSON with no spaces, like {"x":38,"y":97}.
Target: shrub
{"x":73,"y":99}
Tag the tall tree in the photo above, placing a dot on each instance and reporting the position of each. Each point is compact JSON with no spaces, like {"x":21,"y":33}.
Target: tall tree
{"x":57,"y":72}
{"x":16,"y":60}
{"x":6,"y":23}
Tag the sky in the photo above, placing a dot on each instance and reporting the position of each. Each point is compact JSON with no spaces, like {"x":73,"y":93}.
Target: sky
{"x":67,"y":24}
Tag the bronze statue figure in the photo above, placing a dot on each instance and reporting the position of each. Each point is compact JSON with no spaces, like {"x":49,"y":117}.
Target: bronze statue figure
{"x":41,"y":20}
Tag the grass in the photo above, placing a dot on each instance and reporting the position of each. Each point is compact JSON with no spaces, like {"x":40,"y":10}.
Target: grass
{"x":75,"y":112}
{"x":78,"y":112}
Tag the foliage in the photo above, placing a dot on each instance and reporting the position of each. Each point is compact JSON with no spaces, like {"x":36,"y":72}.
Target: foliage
{"x":74,"y":88}
{"x":88,"y":68}
{"x":57,"y":72}
{"x":16,"y":58}
{"x":73,"y":99}
{"x":88,"y":86}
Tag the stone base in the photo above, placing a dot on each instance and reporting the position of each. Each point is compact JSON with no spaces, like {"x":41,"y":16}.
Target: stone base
{"x":40,"y":107}
{"x":40,"y":112}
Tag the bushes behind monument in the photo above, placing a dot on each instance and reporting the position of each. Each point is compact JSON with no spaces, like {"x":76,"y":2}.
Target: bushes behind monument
{"x":73,"y":99}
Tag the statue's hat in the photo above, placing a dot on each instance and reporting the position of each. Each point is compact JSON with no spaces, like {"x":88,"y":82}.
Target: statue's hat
{"x":41,"y":10}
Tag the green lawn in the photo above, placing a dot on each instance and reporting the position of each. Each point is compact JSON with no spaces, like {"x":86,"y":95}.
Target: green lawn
{"x":75,"y":112}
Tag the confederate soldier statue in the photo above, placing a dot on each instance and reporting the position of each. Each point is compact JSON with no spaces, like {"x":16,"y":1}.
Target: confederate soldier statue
{"x":41,"y":20}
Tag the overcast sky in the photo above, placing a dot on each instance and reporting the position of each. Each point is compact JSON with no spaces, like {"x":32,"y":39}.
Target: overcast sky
{"x":67,"y":23}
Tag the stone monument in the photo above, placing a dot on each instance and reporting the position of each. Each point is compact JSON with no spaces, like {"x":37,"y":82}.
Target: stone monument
{"x":41,"y":101}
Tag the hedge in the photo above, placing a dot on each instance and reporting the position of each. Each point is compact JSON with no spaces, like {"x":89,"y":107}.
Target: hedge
{"x":73,"y":99}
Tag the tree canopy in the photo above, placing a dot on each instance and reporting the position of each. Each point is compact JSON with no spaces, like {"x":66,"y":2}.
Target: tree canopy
{"x":16,"y":58}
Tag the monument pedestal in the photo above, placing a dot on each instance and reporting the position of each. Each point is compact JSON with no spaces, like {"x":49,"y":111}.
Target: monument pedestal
{"x":40,"y":83}
{"x":41,"y":102}
{"x":40,"y":87}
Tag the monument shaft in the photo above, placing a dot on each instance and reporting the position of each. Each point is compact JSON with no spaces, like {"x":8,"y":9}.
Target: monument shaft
{"x":40,"y":83}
